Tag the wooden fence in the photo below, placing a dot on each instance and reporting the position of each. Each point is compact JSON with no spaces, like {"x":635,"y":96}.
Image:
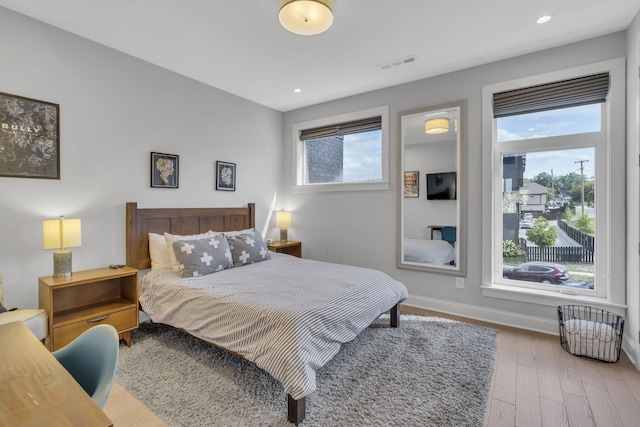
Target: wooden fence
{"x":557,"y":254}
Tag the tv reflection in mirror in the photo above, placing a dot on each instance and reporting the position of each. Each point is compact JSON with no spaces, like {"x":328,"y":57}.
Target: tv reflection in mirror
{"x":441,"y":186}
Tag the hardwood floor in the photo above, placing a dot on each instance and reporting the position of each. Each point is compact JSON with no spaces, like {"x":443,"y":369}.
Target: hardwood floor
{"x":535,"y":383}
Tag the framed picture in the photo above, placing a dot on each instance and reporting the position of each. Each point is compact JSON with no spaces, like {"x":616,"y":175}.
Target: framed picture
{"x":225,"y":176}
{"x":164,"y":170}
{"x":29,"y":138}
{"x":411,"y":183}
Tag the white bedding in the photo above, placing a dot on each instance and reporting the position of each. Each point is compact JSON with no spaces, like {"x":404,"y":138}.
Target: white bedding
{"x":287,"y":315}
{"x":437,"y":252}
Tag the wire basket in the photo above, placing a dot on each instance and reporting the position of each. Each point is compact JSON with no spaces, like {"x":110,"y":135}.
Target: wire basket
{"x":590,"y":332}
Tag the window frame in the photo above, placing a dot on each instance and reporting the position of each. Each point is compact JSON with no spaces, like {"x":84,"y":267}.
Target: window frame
{"x":299,"y":158}
{"x":609,"y":268}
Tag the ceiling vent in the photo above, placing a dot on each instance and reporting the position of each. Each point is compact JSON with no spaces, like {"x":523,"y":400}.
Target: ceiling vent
{"x":398,"y":62}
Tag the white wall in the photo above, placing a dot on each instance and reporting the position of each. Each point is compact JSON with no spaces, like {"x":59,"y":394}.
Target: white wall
{"x":359,"y":228}
{"x":632,"y":326}
{"x":419,"y":212}
{"x":115,"y":110}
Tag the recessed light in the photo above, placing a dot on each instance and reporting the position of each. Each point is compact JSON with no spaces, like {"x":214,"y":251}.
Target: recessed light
{"x":543,"y":19}
{"x":297,"y":90}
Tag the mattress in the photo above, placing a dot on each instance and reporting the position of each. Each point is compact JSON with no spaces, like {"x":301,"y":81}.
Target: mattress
{"x":287,"y":315}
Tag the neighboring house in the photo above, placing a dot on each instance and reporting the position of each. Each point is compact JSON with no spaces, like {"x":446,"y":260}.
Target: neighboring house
{"x":533,"y":198}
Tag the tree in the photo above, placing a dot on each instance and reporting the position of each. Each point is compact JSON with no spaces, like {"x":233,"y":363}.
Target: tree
{"x":576,"y":193}
{"x":543,"y":179}
{"x":542,"y":234}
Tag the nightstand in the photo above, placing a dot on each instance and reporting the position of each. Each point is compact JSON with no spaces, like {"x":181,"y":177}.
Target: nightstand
{"x":288,"y":247}
{"x":88,"y":298}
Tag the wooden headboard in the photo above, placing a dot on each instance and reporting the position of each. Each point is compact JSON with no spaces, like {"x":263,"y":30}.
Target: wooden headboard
{"x":141,"y":222}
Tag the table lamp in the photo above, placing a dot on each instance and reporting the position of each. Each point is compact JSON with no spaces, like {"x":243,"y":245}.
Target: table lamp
{"x":283,"y":221}
{"x":60,"y":234}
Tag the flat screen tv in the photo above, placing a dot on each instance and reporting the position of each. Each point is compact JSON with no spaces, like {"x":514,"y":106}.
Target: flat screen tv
{"x":441,"y":186}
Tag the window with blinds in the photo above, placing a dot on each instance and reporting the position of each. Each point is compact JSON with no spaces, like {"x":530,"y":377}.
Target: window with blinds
{"x":343,"y":150}
{"x":549,"y":196}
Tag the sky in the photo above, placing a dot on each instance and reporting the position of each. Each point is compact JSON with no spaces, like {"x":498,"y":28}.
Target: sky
{"x":566,"y":121}
{"x":362,"y":157}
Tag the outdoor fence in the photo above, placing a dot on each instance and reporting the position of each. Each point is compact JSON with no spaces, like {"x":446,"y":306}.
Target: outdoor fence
{"x":578,"y":236}
{"x":557,"y":254}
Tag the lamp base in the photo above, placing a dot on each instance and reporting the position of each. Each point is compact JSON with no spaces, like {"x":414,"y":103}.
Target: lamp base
{"x":62,"y":264}
{"x":283,"y":235}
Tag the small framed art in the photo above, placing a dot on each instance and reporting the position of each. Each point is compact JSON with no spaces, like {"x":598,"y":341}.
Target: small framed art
{"x":29,"y":138}
{"x":411,"y":183}
{"x":225,"y":176}
{"x":164,"y":170}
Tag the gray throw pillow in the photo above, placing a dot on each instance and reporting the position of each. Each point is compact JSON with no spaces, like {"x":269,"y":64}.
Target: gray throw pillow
{"x":202,"y":256}
{"x":247,"y":248}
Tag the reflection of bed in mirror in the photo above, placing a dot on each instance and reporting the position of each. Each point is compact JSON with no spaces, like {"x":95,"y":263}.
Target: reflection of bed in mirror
{"x":437,"y":252}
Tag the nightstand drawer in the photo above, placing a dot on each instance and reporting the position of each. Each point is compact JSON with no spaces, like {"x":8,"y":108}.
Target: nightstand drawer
{"x":122,"y":320}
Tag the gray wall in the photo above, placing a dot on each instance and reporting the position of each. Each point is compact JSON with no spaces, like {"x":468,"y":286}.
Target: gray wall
{"x":363,"y":220}
{"x":115,"y":110}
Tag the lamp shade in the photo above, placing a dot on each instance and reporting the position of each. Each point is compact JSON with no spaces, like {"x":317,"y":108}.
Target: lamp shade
{"x":61,"y":233}
{"x":435,"y":126}
{"x":283,"y":219}
{"x":306,"y":17}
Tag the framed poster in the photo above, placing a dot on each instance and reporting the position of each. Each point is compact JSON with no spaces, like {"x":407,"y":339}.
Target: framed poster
{"x":29,"y":138}
{"x":225,"y":176}
{"x":411,"y":183}
{"x":164,"y":170}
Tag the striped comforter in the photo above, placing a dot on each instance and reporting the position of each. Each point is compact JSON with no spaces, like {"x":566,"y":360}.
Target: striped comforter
{"x":287,"y":315}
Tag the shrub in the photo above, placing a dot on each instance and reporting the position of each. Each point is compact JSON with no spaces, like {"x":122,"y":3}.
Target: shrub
{"x":585,"y":224}
{"x":567,"y":214}
{"x":510,"y":248}
{"x":541,"y":233}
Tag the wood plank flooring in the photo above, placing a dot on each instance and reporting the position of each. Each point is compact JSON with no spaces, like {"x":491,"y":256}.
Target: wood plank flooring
{"x":535,"y":383}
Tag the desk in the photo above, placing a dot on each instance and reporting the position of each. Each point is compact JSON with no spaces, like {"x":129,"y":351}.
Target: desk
{"x":36,"y":390}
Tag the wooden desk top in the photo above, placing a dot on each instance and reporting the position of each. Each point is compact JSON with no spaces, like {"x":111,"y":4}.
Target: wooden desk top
{"x":36,"y":390}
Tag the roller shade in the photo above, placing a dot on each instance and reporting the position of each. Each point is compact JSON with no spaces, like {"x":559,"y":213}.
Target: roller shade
{"x":584,"y":90}
{"x":356,"y":126}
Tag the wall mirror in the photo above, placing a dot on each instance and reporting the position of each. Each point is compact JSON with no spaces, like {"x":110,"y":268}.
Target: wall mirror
{"x":433,"y":186}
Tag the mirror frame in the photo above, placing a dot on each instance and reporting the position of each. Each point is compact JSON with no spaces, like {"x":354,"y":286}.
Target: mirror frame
{"x":461,"y":192}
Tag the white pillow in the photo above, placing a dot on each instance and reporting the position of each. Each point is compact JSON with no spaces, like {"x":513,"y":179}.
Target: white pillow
{"x":170,"y":238}
{"x":159,"y":252}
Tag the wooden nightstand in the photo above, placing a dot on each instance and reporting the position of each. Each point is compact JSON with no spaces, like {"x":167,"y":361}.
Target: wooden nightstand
{"x":89,"y":298}
{"x":289,"y":247}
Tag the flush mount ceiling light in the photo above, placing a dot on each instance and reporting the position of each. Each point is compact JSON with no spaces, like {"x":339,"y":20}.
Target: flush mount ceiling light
{"x":306,"y":17}
{"x":436,"y":126}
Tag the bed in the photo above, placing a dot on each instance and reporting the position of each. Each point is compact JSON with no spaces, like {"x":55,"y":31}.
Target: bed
{"x":287,"y":315}
{"x":438,"y":252}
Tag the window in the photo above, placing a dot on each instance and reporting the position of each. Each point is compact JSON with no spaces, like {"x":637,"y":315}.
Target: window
{"x":550,"y":140}
{"x":344,"y":152}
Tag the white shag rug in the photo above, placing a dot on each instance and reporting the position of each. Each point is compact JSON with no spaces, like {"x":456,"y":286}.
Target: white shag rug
{"x":428,"y":372}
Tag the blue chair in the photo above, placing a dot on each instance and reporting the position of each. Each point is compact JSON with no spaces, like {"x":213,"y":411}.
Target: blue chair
{"x":449,"y":234}
{"x":91,"y":360}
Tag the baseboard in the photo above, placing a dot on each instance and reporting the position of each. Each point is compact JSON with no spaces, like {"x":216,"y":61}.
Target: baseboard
{"x":531,"y":323}
{"x":507,"y":318}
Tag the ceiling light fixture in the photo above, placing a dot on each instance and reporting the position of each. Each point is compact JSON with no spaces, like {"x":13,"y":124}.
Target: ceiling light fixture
{"x":297,"y":90}
{"x":543,"y":19}
{"x":436,"y":126}
{"x":306,"y":17}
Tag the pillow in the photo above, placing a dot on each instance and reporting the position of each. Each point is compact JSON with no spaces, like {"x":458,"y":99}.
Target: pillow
{"x":198,"y":257}
{"x":247,"y":248}
{"x":170,"y":238}
{"x":159,"y":252}
{"x":235,"y":233}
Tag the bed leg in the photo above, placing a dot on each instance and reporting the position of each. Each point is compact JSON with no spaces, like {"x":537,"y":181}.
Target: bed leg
{"x":296,"y":410}
{"x":394,"y":313}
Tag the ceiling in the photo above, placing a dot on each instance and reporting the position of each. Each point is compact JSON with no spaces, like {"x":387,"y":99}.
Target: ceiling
{"x":239,"y":46}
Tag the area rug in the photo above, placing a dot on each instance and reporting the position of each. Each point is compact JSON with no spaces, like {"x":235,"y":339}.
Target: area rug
{"x":428,"y":372}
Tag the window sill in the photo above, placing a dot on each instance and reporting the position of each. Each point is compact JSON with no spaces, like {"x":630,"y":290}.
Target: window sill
{"x":338,"y":186}
{"x":549,"y":298}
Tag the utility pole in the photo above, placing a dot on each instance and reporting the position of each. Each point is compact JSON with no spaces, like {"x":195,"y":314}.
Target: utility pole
{"x":582,"y":162}
{"x":553,"y":191}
